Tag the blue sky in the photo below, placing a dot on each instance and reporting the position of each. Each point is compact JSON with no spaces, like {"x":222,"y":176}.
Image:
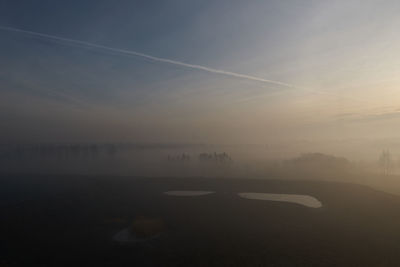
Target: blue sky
{"x":339,"y":59}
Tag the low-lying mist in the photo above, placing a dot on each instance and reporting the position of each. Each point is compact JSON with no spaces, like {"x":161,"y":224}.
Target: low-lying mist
{"x":196,"y":160}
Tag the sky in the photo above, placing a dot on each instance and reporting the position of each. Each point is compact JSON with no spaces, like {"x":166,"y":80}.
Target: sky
{"x":198,"y":71}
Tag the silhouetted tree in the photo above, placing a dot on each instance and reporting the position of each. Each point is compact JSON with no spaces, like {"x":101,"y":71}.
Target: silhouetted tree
{"x":385,"y":161}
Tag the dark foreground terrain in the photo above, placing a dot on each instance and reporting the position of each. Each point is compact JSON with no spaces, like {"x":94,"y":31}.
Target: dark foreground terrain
{"x":71,"y":221}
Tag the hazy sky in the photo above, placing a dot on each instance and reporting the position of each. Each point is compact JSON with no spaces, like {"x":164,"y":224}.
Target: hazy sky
{"x":264,"y":70}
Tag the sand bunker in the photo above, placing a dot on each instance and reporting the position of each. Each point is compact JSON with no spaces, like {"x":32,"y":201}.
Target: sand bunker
{"x":304,"y":200}
{"x":188,"y":193}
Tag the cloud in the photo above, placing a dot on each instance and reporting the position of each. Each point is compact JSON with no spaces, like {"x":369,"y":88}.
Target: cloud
{"x":353,"y":117}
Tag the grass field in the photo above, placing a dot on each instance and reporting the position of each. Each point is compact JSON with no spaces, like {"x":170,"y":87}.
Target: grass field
{"x":71,"y":221}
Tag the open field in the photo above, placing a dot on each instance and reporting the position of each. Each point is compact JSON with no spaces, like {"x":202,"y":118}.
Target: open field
{"x":71,"y":221}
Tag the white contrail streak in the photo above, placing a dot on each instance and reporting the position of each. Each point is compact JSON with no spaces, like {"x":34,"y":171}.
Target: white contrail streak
{"x":159,"y":59}
{"x":173,"y":62}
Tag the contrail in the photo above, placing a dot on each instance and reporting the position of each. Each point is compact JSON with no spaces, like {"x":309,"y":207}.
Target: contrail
{"x":173,"y":62}
{"x":159,"y":59}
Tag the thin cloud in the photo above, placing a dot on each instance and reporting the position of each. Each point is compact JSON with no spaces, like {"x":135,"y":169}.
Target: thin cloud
{"x":373,"y":117}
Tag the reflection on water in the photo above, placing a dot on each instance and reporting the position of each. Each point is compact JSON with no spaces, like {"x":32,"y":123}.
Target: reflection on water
{"x":188,"y":193}
{"x":304,"y":200}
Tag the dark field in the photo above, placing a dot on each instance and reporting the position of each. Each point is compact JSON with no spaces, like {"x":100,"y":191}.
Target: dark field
{"x":71,"y":221}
